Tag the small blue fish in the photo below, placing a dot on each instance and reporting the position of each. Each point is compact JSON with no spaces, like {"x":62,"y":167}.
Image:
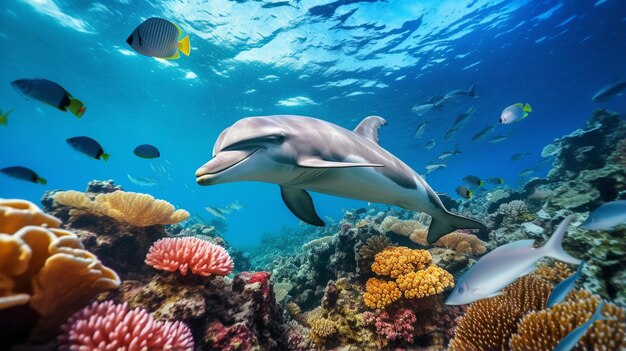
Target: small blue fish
{"x":147,"y":151}
{"x":88,"y":146}
{"x":502,"y":266}
{"x":23,"y":173}
{"x":50,"y":93}
{"x":570,"y":340}
{"x":607,"y":216}
{"x":560,"y":291}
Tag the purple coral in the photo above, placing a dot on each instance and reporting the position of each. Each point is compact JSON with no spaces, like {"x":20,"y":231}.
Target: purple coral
{"x":394,"y":324}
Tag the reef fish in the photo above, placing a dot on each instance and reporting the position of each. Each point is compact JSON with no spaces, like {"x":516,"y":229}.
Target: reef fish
{"x":502,"y":266}
{"x":216,"y":212}
{"x":498,"y":139}
{"x":434,"y":167}
{"x":463,"y":192}
{"x":495,"y":180}
{"x":609,"y":91}
{"x":23,"y":173}
{"x":473,"y":180}
{"x":515,"y":112}
{"x":457,"y":92}
{"x":447,"y":154}
{"x":564,"y":287}
{"x":570,"y":340}
{"x":430,"y":144}
{"x":160,"y":38}
{"x":451,"y":132}
{"x":88,"y":146}
{"x":419,"y":130}
{"x":463,"y":117}
{"x":147,"y":151}
{"x":50,"y":93}
{"x":303,"y":153}
{"x":4,"y":117}
{"x":607,"y":216}
{"x":519,"y":155}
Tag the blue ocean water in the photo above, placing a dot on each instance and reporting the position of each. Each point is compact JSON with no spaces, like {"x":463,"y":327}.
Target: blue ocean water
{"x":335,"y":60}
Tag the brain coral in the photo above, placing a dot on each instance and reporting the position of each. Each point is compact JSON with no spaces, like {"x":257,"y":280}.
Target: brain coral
{"x":462,"y":242}
{"x":105,"y":326}
{"x":542,"y":330}
{"x":140,"y":210}
{"x":46,"y":267}
{"x":202,"y":257}
{"x":395,"y":261}
{"x":489,"y":323}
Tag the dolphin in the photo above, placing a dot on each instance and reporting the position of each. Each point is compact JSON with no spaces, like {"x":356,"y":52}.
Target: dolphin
{"x":304,"y":153}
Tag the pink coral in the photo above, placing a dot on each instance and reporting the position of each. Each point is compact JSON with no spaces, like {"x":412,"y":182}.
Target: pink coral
{"x":394,"y":324}
{"x":106,"y":326}
{"x":204,"y":258}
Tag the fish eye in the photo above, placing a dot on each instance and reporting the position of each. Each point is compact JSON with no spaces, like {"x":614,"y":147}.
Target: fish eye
{"x":460,"y":289}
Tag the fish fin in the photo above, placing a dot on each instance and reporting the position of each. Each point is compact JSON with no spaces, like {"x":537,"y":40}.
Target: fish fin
{"x":553,"y":247}
{"x":528,"y":108}
{"x":501,"y":180}
{"x":469,"y":194}
{"x":480,"y":183}
{"x":369,"y":126}
{"x":597,"y":315}
{"x":471,"y":91}
{"x":447,"y":222}
{"x":319,"y":163}
{"x":42,"y":181}
{"x":299,"y":202}
{"x":180,"y":31}
{"x":4,"y":118}
{"x":76,"y":107}
{"x":185,"y":46}
{"x":176,"y":56}
{"x":105,"y":156}
{"x":520,"y":105}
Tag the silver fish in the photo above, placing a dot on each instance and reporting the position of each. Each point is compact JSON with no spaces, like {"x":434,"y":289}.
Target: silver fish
{"x":609,"y":91}
{"x":570,"y":340}
{"x":464,"y":117}
{"x":607,"y":216}
{"x":457,"y":92}
{"x":446,"y":154}
{"x":419,"y":130}
{"x":498,"y":139}
{"x":143,"y":181}
{"x":434,"y":167}
{"x":430,"y":144}
{"x":560,"y":291}
{"x":526,"y":172}
{"x":216,"y":212}
{"x":451,"y":132}
{"x":422,"y":108}
{"x":515,"y":112}
{"x":518,"y":156}
{"x":480,"y":135}
{"x":502,"y":266}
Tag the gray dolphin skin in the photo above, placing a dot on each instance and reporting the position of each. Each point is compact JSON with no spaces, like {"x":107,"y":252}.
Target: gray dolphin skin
{"x":303,"y":153}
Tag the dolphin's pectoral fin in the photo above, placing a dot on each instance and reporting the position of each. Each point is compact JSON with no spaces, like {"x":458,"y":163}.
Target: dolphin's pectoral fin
{"x":368,"y":128}
{"x":301,"y":204}
{"x":319,"y":163}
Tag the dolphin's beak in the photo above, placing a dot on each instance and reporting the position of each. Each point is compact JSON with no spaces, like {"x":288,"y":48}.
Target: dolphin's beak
{"x":224,"y":160}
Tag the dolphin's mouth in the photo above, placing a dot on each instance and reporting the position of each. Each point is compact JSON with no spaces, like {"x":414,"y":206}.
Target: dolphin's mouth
{"x":221,"y":163}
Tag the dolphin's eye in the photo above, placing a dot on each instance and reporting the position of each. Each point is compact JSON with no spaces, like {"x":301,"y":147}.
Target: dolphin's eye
{"x":460,"y":289}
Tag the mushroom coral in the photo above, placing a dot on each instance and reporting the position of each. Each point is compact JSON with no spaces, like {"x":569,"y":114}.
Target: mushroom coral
{"x":139,"y":210}
{"x":46,"y":267}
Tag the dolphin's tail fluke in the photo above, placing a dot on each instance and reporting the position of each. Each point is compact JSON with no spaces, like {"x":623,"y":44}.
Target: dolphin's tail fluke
{"x":447,"y":222}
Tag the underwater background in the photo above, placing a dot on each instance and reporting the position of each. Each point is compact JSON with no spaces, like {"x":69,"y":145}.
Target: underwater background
{"x":339,"y":61}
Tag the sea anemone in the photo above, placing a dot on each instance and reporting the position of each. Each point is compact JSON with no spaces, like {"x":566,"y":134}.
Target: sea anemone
{"x":106,"y":326}
{"x":204,"y":258}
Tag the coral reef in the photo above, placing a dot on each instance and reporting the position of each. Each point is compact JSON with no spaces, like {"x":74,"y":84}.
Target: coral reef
{"x":488,"y":324}
{"x":106,"y":326}
{"x":202,"y":257}
{"x":542,"y":330}
{"x":396,"y":325}
{"x":45,"y":273}
{"x":138,"y":210}
{"x":380,"y":293}
{"x":462,"y":242}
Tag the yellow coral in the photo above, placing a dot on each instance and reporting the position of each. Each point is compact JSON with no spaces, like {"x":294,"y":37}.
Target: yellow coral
{"x":380,"y":293}
{"x":396,"y":261}
{"x":430,"y":281}
{"x":553,"y":273}
{"x":46,"y":267}
{"x":462,"y":242}
{"x":15,"y":214}
{"x":543,"y":330}
{"x":140,"y":210}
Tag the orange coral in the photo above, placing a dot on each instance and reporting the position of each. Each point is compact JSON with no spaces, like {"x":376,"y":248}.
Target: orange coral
{"x":543,"y":330}
{"x":489,"y":323}
{"x":555,"y":273}
{"x":430,"y":281}
{"x":395,"y":261}
{"x":380,"y":293}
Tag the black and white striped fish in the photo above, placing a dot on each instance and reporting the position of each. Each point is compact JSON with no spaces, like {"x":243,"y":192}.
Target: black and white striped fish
{"x":159,"y":38}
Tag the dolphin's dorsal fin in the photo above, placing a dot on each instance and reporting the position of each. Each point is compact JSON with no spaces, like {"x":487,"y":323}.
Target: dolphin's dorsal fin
{"x":368,"y":128}
{"x":301,"y":205}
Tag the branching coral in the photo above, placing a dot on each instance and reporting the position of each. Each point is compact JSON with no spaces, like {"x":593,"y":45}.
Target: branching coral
{"x":372,"y":246}
{"x":393,"y":325}
{"x":45,"y":267}
{"x":202,"y":257}
{"x":281,"y":290}
{"x":553,"y":273}
{"x":489,"y":323}
{"x":543,"y":330}
{"x":106,"y":326}
{"x":513,"y":212}
{"x":395,"y":261}
{"x":380,"y":293}
{"x":140,"y":210}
